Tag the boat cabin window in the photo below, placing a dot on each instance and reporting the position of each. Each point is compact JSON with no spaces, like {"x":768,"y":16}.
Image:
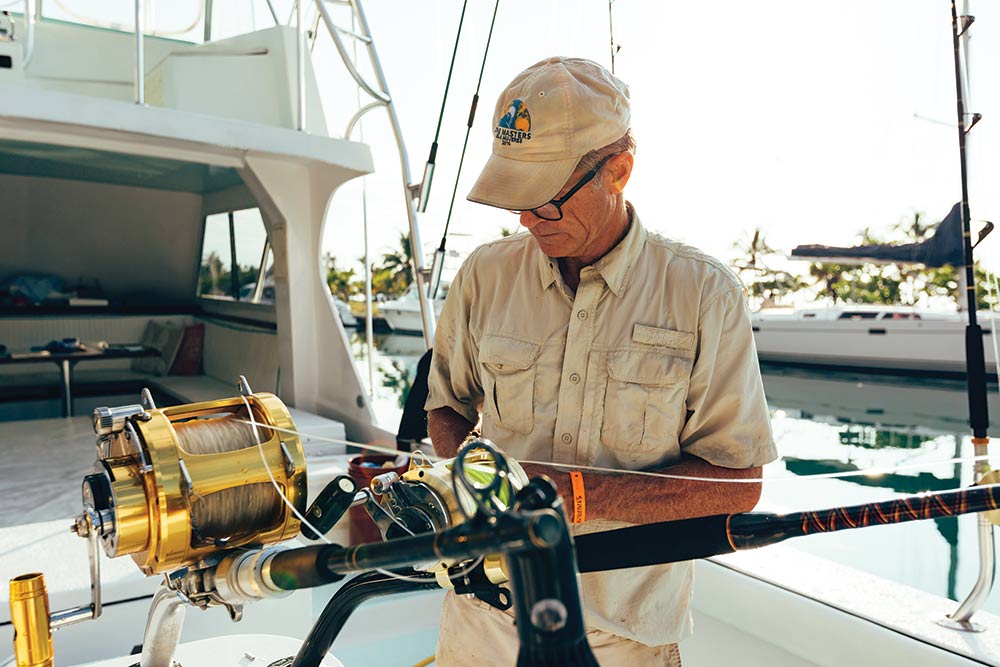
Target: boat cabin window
{"x":901,"y":316}
{"x":236,"y":239}
{"x":858,"y":315}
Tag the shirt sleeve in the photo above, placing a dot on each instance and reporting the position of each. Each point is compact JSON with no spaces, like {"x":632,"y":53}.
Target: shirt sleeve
{"x":454,"y":380}
{"x":727,"y":419}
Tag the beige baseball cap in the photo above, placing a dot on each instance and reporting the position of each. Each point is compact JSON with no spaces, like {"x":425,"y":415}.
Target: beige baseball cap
{"x":550,"y":116}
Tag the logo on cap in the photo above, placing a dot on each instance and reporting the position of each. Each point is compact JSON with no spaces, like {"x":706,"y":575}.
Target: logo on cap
{"x":514,"y":127}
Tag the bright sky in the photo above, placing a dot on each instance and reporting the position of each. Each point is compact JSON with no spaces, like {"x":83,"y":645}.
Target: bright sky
{"x":810,"y":120}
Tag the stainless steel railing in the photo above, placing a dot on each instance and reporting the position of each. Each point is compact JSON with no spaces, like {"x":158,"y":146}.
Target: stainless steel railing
{"x":379,"y":90}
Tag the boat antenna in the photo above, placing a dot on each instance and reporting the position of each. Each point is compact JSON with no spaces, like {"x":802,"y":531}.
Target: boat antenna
{"x":615,"y":48}
{"x":439,"y":253}
{"x":425,"y":182}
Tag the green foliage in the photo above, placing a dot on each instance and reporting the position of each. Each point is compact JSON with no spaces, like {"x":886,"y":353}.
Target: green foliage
{"x":215,"y":279}
{"x":395,"y":273}
{"x":391,"y":277}
{"x":764,"y":284}
{"x":343,"y":282}
{"x":865,"y":283}
{"x":944,"y":282}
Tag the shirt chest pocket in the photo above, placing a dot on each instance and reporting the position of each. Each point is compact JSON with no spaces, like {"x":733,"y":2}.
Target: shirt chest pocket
{"x":508,"y":382}
{"x":644,"y":406}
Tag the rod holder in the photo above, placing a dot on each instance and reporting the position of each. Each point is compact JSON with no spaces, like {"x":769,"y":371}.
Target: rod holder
{"x":29,"y":614}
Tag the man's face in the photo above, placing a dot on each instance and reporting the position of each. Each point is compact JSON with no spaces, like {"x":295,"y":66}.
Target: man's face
{"x":581,"y":233}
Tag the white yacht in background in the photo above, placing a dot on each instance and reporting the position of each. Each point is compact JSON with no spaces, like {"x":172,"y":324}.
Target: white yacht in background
{"x":893,"y":338}
{"x":403,"y":314}
{"x":148,"y":165}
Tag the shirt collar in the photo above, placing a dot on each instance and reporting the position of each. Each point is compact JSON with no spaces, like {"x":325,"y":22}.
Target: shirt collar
{"x":613,"y":267}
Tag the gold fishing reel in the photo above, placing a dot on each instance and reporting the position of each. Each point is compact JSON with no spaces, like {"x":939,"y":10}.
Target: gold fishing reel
{"x":173,"y":486}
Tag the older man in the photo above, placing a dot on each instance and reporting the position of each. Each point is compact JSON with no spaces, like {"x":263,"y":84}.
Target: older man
{"x":594,"y":342}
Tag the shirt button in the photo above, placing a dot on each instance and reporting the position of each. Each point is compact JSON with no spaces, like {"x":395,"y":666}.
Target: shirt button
{"x":567,"y":438}
{"x":574,"y":377}
{"x":581,"y":315}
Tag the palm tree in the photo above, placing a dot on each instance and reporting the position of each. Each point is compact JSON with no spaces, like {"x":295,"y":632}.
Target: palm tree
{"x":398,"y":265}
{"x":752,"y":251}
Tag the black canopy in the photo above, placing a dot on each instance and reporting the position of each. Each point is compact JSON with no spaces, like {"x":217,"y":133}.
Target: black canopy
{"x":945,"y":247}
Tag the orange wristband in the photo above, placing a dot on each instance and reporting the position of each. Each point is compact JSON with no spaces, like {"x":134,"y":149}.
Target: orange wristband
{"x":579,"y":497}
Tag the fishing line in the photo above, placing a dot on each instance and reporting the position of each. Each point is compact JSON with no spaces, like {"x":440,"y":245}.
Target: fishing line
{"x":316,"y":531}
{"x":274,"y":482}
{"x":864,"y":472}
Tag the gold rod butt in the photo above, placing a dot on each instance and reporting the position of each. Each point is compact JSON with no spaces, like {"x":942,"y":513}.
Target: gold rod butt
{"x":29,"y":614}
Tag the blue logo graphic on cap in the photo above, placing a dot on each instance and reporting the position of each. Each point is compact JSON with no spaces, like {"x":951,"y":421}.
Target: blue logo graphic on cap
{"x":517,"y":117}
{"x":515,"y":125}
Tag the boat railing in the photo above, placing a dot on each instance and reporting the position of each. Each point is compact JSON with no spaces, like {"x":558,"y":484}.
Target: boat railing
{"x":379,"y":92}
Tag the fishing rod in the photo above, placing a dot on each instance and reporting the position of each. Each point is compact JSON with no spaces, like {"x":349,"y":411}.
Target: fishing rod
{"x":688,"y":539}
{"x":425,"y":182}
{"x":975,"y":361}
{"x":439,"y":254}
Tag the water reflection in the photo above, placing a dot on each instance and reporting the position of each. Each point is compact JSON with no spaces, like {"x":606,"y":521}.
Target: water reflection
{"x":878,"y":421}
{"x":395,"y":365}
{"x":828,"y":422}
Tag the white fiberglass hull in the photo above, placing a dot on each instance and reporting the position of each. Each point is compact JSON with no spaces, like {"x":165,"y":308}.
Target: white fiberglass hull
{"x":936,"y":346}
{"x":406,"y":317}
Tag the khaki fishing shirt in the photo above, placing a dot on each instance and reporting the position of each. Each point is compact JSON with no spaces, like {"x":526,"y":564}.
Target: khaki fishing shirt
{"x":651,"y":358}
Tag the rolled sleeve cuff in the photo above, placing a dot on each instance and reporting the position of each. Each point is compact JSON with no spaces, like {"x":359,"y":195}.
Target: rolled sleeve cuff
{"x":467,"y":410}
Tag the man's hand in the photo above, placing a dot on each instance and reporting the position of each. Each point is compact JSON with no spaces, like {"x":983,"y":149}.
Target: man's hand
{"x":447,"y":430}
{"x":643,"y":499}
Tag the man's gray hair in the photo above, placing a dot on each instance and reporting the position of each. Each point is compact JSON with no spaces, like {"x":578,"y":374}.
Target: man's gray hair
{"x":590,"y":160}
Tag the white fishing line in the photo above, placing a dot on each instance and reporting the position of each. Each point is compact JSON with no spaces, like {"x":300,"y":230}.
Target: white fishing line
{"x":316,"y":531}
{"x":274,"y":482}
{"x":864,"y":472}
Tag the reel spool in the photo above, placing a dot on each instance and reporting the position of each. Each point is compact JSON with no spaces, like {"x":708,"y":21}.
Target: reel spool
{"x":173,"y":486}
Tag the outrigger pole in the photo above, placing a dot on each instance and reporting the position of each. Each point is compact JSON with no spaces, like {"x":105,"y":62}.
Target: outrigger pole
{"x":687,"y":539}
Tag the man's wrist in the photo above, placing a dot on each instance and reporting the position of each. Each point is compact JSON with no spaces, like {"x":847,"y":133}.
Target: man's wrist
{"x":559,"y":476}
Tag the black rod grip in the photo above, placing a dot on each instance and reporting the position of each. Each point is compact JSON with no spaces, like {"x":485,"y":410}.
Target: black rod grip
{"x":975,"y":370}
{"x":654,"y":543}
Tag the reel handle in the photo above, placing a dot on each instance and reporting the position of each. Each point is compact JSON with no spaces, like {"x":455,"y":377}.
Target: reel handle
{"x":331,"y":504}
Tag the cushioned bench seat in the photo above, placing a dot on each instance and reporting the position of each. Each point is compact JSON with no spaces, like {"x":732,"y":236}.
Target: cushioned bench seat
{"x":228,"y":351}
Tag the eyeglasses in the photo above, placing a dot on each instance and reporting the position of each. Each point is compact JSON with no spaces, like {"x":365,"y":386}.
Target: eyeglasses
{"x":552,"y":210}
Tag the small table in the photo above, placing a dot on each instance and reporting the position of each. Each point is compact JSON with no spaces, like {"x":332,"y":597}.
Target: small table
{"x":66,"y":361}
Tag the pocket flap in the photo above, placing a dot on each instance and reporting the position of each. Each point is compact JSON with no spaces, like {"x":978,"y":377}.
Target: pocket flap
{"x":502,"y":352}
{"x":648,"y":368}
{"x":680,"y":340}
